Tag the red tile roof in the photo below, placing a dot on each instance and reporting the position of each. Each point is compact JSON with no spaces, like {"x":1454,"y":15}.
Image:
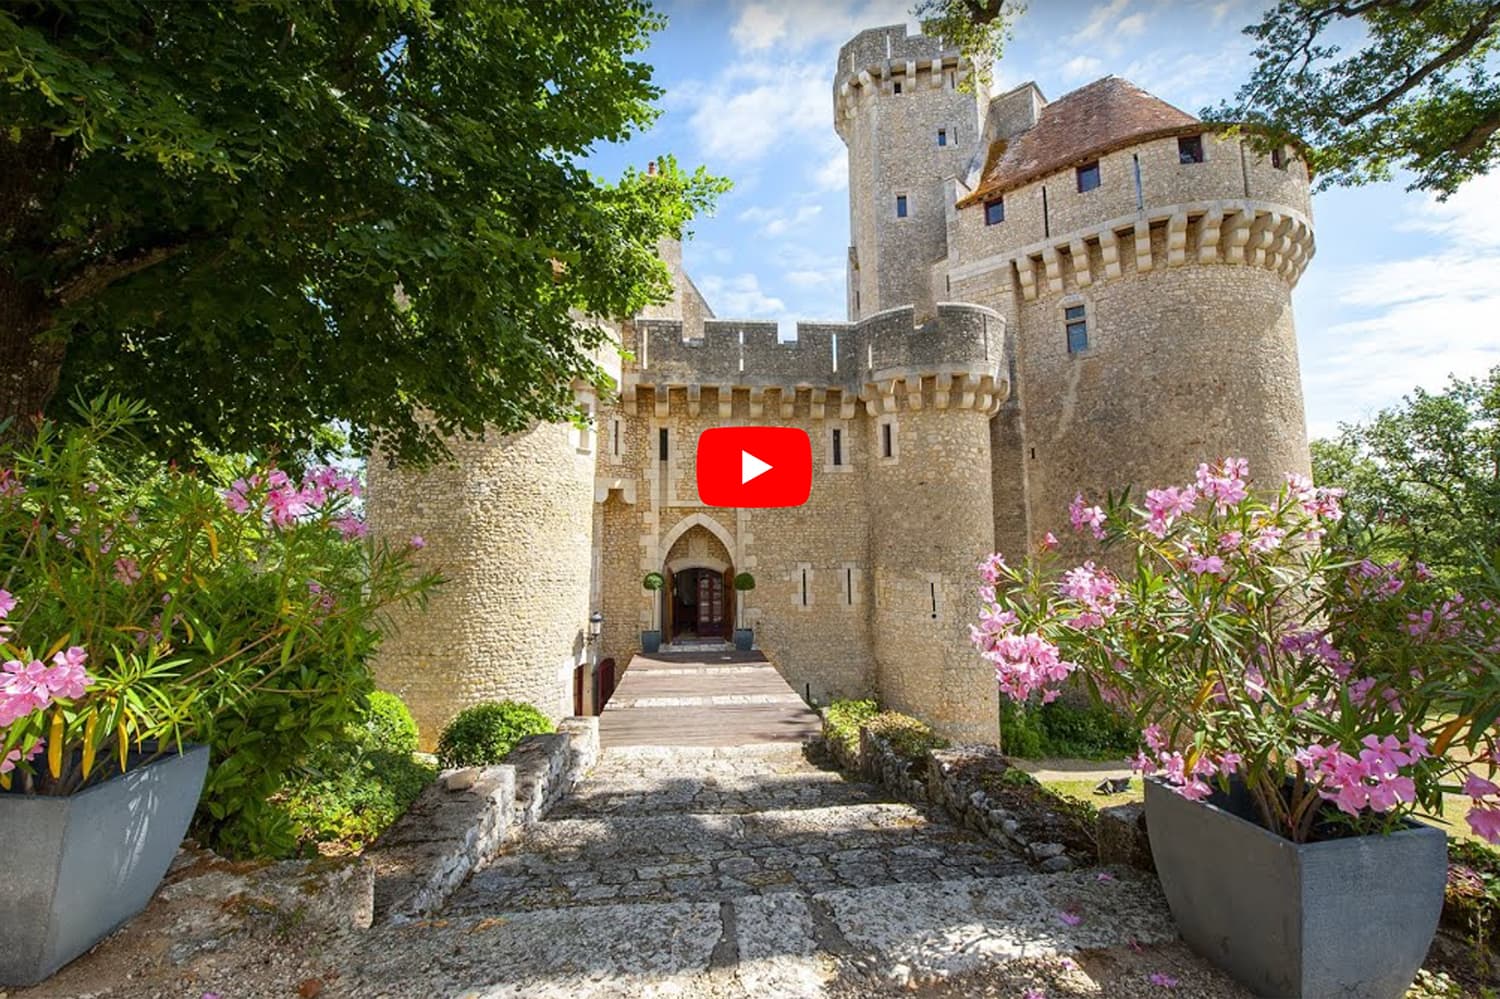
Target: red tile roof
{"x":1106,"y":115}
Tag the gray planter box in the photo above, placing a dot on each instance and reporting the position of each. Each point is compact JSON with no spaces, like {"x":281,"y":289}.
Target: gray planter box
{"x":650,"y":642}
{"x":1347,"y":918}
{"x":744,"y":639}
{"x":79,"y":866}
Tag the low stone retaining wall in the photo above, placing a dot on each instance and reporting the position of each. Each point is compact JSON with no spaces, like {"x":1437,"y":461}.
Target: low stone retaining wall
{"x":955,"y":780}
{"x":465,"y":816}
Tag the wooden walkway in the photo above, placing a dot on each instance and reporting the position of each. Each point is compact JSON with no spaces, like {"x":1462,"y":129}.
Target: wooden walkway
{"x":707,"y":696}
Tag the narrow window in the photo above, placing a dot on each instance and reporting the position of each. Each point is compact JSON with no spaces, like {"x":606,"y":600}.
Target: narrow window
{"x":614,"y":429}
{"x":849,"y":586}
{"x":838,"y":446}
{"x":951,"y":78}
{"x":662,"y":443}
{"x":1033,"y":454}
{"x":932,"y":591}
{"x":804,"y":587}
{"x":896,"y":87}
{"x":1190,"y":149}
{"x":856,"y":303}
{"x":900,"y":206}
{"x":1078,"y":329}
{"x":994,"y":211}
{"x":942,"y":136}
{"x":1088,"y":177}
{"x":887,"y":440}
{"x":1278,"y":158}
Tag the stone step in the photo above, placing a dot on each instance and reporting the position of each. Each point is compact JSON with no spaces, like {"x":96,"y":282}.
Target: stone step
{"x":782,"y":944}
{"x":697,"y":858}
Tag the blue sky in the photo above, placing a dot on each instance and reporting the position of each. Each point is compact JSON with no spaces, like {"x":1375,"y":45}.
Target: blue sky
{"x":1403,"y":290}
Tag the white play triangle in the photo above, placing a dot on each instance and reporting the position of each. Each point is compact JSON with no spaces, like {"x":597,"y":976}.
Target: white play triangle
{"x":751,"y":467}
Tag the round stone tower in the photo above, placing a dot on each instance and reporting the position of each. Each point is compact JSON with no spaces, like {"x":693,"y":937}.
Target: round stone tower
{"x":910,"y":130}
{"x":508,"y":524}
{"x":1146,"y":264}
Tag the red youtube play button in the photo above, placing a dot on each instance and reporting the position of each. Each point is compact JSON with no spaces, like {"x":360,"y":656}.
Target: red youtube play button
{"x":754,"y":466}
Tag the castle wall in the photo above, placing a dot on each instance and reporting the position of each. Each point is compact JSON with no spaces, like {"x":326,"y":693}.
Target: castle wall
{"x":508,"y":525}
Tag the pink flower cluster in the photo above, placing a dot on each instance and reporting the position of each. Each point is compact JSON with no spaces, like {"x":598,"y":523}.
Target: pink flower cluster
{"x":9,"y":761}
{"x":1373,"y":779}
{"x":10,"y":484}
{"x":1081,"y":516}
{"x":1024,"y":664}
{"x":286,"y":500}
{"x":1166,"y":505}
{"x":1317,"y":644}
{"x":33,"y":686}
{"x":7,"y":604}
{"x":1315,"y":501}
{"x":1095,"y":589}
{"x":1484,"y":816}
{"x":1189,"y":781}
{"x":1224,"y":483}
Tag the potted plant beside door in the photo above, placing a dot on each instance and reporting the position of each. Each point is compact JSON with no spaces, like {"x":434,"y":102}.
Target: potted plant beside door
{"x":1300,"y":702}
{"x":744,"y":638}
{"x":651,"y":640}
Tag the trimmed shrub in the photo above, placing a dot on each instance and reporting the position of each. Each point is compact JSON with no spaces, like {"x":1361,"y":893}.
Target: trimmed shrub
{"x":388,"y":725}
{"x":485,"y":733}
{"x":844,"y":720}
{"x":744,"y":581}
{"x":910,"y":738}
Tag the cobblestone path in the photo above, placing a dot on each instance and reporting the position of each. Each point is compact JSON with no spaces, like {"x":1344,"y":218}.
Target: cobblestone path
{"x":750,"y":871}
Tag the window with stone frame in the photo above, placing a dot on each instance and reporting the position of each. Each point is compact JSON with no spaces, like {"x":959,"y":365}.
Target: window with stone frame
{"x":942,"y":136}
{"x":1190,"y":149}
{"x":1278,"y":158}
{"x":1076,"y":325}
{"x":896,"y":87}
{"x":1088,"y":177}
{"x":902,"y":207}
{"x":994,"y":211}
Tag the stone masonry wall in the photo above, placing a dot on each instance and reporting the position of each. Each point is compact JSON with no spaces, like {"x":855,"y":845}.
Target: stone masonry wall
{"x":508,"y":525}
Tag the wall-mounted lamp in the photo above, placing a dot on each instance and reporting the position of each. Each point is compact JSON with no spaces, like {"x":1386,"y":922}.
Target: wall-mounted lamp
{"x":596,"y":625}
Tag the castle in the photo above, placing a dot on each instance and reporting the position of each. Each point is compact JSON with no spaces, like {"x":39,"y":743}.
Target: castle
{"x":1042,"y":298}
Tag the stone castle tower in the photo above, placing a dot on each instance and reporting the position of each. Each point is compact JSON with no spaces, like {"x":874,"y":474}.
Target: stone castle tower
{"x":1042,"y":298}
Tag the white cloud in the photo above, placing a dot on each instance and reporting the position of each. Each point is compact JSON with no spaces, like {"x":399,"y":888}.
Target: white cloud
{"x":1102,"y":21}
{"x":739,"y":296}
{"x":833,"y":175}
{"x":1130,"y":26}
{"x":776,"y":221}
{"x":797,"y":24}
{"x":1416,"y":321}
{"x":1082,"y":68}
{"x":753,"y":107}
{"x":817,"y":278}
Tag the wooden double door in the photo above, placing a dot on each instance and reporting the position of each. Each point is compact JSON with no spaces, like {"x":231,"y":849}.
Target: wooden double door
{"x":699,"y":603}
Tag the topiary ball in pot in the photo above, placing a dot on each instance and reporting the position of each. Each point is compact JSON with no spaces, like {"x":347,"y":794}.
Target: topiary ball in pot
{"x":485,"y":733}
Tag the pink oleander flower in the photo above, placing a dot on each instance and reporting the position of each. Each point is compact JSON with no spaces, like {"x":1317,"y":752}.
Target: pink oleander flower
{"x":1486,"y":823}
{"x":1200,"y":565}
{"x":1026,"y":664}
{"x":992,"y":569}
{"x":127,"y":571}
{"x":1081,"y":516}
{"x":67,"y":677}
{"x":1224,"y":483}
{"x":1049,"y":542}
{"x":1165,"y":505}
{"x":1095,"y":589}
{"x":350,"y":527}
{"x":15,"y":756}
{"x":1230,"y":540}
{"x":1267,"y":539}
{"x":1477,"y":787}
{"x":7,"y":603}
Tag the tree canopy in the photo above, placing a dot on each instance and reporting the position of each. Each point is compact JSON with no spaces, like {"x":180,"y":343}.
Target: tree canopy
{"x":1425,"y":475}
{"x":264,"y":216}
{"x":977,"y":28}
{"x":1419,"y":90}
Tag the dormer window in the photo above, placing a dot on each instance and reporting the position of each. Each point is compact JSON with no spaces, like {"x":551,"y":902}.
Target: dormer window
{"x":942,"y":136}
{"x":1088,"y":177}
{"x":994,"y":211}
{"x":1190,"y":149}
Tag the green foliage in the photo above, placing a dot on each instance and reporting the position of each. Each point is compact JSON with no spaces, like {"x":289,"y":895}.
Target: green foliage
{"x":485,"y":733}
{"x":844,"y":719}
{"x":1424,"y":477}
{"x":910,"y":739}
{"x":264,"y":217}
{"x":653,"y":581}
{"x":977,"y":28}
{"x":1473,"y":893}
{"x":744,"y":581}
{"x":1421,"y":93}
{"x":353,"y":788}
{"x":200,"y":624}
{"x":1065,"y":729}
{"x":387,"y":724}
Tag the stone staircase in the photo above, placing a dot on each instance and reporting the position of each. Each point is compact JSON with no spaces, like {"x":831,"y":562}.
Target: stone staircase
{"x":749,"y":870}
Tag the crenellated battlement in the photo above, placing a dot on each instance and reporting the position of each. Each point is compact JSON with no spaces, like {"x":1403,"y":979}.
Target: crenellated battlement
{"x":874,"y":61}
{"x":872,"y":359}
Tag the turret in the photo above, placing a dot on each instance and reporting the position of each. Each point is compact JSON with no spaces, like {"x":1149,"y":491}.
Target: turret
{"x":910,"y":129}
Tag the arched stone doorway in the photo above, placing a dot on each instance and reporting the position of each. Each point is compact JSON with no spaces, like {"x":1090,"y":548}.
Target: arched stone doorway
{"x":698,"y":600}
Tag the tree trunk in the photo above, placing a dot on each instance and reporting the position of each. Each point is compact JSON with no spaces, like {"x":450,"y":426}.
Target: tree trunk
{"x":31,"y":171}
